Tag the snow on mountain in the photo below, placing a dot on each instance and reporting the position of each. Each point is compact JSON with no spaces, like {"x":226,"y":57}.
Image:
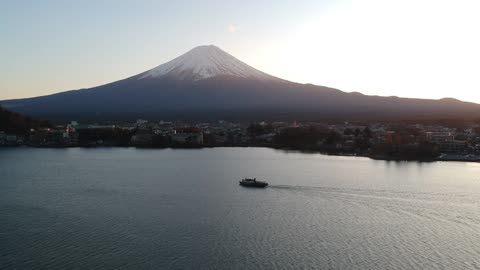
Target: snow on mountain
{"x":204,"y":62}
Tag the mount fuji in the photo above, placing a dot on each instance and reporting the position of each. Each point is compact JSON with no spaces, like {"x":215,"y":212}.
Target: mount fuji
{"x":205,"y":62}
{"x":207,"y":83}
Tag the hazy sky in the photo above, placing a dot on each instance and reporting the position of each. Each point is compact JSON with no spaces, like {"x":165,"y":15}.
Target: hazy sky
{"x":407,"y":48}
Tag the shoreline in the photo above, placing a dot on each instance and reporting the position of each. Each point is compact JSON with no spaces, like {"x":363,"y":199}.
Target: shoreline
{"x":448,"y":158}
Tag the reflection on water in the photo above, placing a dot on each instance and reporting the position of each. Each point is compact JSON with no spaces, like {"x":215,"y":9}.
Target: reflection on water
{"x":183,"y":209}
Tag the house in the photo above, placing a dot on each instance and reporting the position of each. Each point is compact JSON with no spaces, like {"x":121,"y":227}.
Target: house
{"x":454,"y":146}
{"x":436,"y":137}
{"x":11,"y":139}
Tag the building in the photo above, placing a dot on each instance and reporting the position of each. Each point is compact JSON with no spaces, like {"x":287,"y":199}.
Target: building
{"x":454,"y":146}
{"x":395,"y":138}
{"x":438,"y":137}
{"x":188,"y":138}
{"x":11,"y":139}
{"x":141,"y":138}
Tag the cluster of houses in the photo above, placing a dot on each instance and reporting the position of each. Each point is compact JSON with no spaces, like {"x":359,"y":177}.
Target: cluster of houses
{"x":222,"y":133}
{"x":448,"y":140}
{"x":219,"y":133}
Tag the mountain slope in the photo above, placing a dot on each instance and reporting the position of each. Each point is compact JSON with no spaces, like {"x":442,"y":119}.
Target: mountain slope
{"x":207,"y":83}
{"x":11,"y":122}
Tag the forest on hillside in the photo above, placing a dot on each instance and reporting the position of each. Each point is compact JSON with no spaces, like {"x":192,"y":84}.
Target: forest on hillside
{"x":12,"y":122}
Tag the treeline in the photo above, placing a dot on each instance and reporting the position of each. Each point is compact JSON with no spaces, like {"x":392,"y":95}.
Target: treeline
{"x":107,"y":136}
{"x":307,"y":138}
{"x":352,"y":141}
{"x":12,"y":122}
{"x":422,"y":151}
{"x":317,"y":138}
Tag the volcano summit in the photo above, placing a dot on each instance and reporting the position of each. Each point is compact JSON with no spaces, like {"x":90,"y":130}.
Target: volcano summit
{"x":207,"y":83}
{"x":205,"y":62}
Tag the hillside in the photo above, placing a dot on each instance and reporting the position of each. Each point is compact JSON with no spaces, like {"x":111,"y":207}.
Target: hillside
{"x":11,"y":122}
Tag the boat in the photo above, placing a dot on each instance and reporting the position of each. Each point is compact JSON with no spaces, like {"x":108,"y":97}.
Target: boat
{"x":252,"y":182}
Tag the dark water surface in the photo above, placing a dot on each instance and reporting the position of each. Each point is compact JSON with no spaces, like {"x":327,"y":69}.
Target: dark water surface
{"x":126,"y":208}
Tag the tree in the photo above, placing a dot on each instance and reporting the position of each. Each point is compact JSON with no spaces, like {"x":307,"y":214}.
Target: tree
{"x":367,"y":133}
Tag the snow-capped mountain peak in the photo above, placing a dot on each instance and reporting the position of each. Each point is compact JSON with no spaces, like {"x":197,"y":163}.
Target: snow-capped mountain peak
{"x":205,"y":62}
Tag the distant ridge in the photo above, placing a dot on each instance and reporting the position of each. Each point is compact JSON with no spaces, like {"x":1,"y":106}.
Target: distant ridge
{"x":207,"y":83}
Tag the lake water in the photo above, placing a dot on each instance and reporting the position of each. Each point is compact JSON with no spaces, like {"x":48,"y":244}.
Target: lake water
{"x":126,"y":208}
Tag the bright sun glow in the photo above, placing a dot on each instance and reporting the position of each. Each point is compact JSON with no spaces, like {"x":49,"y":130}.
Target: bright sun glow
{"x":426,"y":49}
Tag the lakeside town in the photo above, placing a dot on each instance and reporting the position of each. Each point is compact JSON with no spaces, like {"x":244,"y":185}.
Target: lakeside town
{"x":450,"y":140}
